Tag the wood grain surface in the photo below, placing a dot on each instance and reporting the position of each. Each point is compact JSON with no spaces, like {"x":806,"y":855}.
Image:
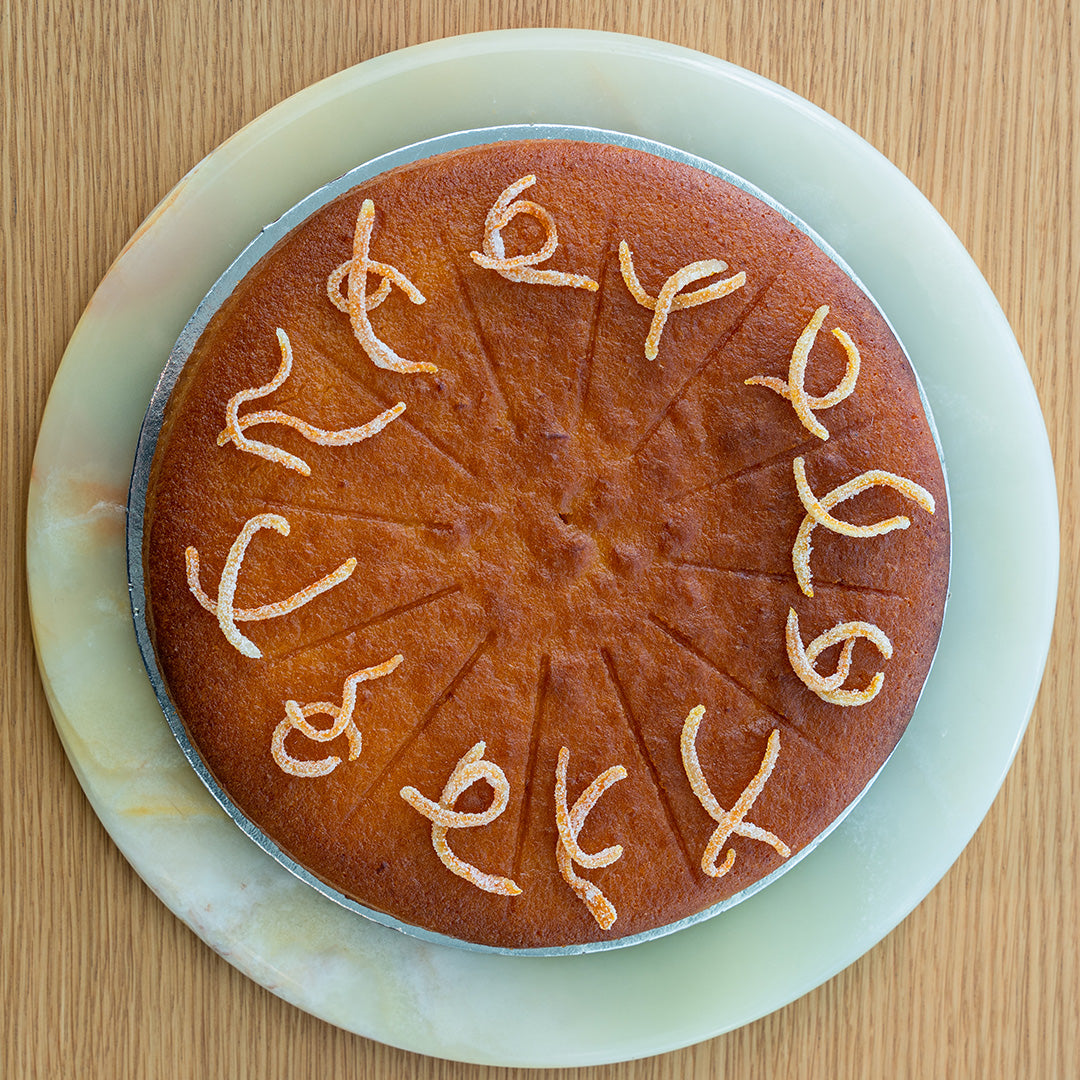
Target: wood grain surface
{"x":106,"y":104}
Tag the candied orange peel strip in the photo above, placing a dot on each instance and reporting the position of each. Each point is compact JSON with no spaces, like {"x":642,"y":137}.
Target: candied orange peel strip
{"x":827,"y":687}
{"x":236,"y":425}
{"x":567,"y":850}
{"x":794,"y":390}
{"x":228,"y":615}
{"x":357,"y":303}
{"x":471,"y":769}
{"x":343,"y":724}
{"x":817,"y":512}
{"x":728,"y":821}
{"x":671,"y":297}
{"x":522,"y":268}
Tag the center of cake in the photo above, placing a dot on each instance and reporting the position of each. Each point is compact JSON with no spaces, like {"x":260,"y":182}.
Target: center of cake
{"x":560,"y":554}
{"x":546,"y":558}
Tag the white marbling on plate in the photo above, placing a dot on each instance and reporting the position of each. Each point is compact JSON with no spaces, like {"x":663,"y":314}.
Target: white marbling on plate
{"x":812,"y":922}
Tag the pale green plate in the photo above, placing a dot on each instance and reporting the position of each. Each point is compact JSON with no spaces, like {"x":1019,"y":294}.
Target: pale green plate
{"x":806,"y":926}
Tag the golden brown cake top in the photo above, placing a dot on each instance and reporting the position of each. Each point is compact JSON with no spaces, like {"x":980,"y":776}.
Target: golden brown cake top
{"x":486,"y":478}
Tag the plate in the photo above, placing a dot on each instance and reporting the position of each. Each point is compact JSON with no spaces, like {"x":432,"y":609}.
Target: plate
{"x":709,"y":978}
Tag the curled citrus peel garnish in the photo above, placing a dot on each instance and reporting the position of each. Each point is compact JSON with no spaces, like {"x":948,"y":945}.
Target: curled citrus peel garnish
{"x":235,"y":425}
{"x":671,"y":297}
{"x":469,"y":770}
{"x":343,"y":724}
{"x":794,"y":390}
{"x":567,"y":850}
{"x":228,"y":615}
{"x":817,"y":513}
{"x":357,"y":303}
{"x":728,"y":821}
{"x":522,"y":268}
{"x":827,"y":687}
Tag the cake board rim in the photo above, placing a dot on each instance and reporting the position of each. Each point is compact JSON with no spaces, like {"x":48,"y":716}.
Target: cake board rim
{"x":260,"y":245}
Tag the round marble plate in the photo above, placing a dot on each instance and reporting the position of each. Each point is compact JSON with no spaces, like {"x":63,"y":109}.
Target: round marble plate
{"x":709,"y":978}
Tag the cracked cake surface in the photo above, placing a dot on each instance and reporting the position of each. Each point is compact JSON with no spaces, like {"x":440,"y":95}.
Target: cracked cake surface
{"x":505,"y":586}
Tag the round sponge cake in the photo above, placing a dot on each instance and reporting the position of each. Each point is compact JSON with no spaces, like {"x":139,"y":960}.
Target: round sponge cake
{"x":618,"y":613}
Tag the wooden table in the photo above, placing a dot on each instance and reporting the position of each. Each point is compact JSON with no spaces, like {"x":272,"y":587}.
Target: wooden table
{"x":108,"y":103}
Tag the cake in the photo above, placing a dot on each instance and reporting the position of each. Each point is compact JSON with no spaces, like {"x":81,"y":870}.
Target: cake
{"x":545,"y":541}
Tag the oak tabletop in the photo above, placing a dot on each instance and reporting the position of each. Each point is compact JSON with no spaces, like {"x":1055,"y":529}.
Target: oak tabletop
{"x":107,"y":103}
